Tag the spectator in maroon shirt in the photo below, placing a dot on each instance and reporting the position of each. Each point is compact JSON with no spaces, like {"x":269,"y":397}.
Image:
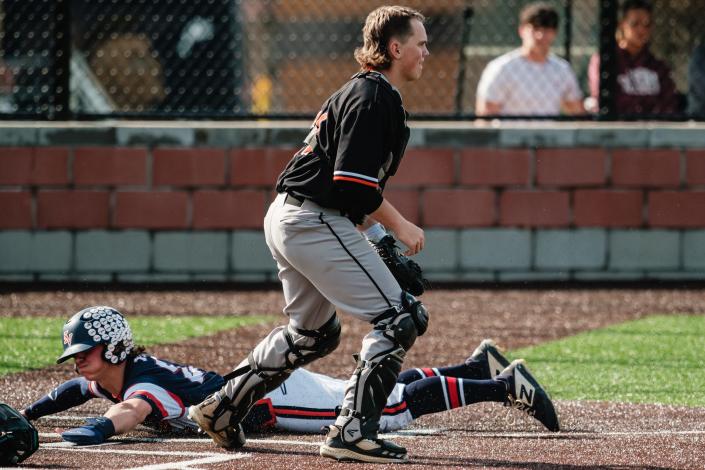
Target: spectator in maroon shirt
{"x":644,"y":84}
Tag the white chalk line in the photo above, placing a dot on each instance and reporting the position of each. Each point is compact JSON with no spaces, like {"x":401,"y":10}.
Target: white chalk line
{"x":201,"y":458}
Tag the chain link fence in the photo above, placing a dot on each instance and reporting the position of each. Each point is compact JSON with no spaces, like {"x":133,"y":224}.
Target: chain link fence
{"x":236,"y":59}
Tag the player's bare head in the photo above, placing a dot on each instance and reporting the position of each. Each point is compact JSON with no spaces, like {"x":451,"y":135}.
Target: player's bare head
{"x":539,"y":15}
{"x":383,"y":24}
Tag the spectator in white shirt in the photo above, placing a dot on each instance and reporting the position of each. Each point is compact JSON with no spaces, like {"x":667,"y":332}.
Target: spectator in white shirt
{"x":530,"y":81}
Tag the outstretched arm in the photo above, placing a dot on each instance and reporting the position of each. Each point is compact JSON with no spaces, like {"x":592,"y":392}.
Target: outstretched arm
{"x":120,"y":418}
{"x":67,"y":395}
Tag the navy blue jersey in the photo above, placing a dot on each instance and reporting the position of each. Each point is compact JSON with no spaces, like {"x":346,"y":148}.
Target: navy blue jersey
{"x":168,"y":387}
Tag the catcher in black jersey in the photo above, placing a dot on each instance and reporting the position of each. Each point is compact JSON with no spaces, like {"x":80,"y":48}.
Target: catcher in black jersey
{"x":329,"y":192}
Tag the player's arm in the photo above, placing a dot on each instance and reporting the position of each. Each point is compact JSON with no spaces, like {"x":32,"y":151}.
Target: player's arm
{"x":120,"y":418}
{"x":67,"y":395}
{"x":407,"y":232}
{"x":128,"y":414}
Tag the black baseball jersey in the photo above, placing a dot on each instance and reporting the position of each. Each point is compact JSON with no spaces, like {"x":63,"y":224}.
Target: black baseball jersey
{"x":355,"y":144}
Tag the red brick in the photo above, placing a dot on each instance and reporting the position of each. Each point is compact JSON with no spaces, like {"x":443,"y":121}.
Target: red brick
{"x":495,"y":167}
{"x":110,"y":166}
{"x":406,"y":201}
{"x":695,"y":167}
{"x":34,"y":165}
{"x":72,"y":209}
{"x":16,"y":209}
{"x":157,"y":210}
{"x":571,"y":167}
{"x":606,"y":208}
{"x":458,"y":208}
{"x":16,"y":165}
{"x":534,"y":208}
{"x":50,"y":166}
{"x":425,"y":167}
{"x":677,"y":209}
{"x":642,"y":167}
{"x":189,"y":167}
{"x":258,"y":167}
{"x":229,"y":209}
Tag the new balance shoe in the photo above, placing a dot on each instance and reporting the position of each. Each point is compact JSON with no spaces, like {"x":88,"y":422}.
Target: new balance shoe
{"x":366,"y":450}
{"x":526,"y":394}
{"x":203,"y":414}
{"x":488,"y":357}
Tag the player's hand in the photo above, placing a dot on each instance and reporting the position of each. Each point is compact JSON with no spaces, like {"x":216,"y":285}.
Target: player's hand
{"x":411,"y":236}
{"x":95,"y":431}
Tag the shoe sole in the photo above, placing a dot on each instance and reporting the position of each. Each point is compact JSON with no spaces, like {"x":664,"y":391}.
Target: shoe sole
{"x":542,"y":397}
{"x":197,"y":417}
{"x":349,"y":455}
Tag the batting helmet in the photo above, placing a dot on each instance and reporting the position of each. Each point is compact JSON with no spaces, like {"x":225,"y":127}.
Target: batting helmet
{"x":94,"y":326}
{"x":18,"y":438}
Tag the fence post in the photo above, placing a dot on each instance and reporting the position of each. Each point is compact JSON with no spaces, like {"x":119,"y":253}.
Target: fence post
{"x":608,"y":59}
{"x":568,"y":26}
{"x":62,"y":65}
{"x":464,"y":40}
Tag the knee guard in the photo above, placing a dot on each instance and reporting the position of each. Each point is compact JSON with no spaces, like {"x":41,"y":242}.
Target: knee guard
{"x":374,"y":379}
{"x":253,"y":379}
{"x":403,"y":325}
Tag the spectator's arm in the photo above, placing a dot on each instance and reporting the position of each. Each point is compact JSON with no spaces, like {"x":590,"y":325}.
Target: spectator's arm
{"x":573,"y":107}
{"x":487,"y":108}
{"x":594,"y":80}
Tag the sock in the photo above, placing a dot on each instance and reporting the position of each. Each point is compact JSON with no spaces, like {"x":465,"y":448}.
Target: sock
{"x":435,"y":394}
{"x":469,"y":370}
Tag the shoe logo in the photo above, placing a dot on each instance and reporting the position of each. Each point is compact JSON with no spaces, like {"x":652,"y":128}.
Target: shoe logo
{"x":352,"y":432}
{"x":527,"y":396}
{"x":494,"y":365}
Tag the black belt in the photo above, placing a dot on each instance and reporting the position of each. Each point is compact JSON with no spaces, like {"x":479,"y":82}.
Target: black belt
{"x":294,"y":201}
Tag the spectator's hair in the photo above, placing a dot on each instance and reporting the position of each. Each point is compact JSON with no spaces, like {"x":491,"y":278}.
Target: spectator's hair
{"x":629,"y":5}
{"x":539,"y":15}
{"x":381,"y":25}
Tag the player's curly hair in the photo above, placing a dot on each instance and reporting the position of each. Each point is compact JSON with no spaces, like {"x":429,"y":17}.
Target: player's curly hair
{"x":381,"y":25}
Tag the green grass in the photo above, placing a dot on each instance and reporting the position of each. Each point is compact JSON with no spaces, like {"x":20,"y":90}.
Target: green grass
{"x":31,"y":343}
{"x":659,"y":359}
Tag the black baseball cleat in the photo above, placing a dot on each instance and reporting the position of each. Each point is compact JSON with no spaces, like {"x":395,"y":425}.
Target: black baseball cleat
{"x":525,"y":394}
{"x":366,"y":450}
{"x":487,"y":356}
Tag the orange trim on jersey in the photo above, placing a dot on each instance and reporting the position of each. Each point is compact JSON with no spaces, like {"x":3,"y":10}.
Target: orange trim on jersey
{"x":355,"y":180}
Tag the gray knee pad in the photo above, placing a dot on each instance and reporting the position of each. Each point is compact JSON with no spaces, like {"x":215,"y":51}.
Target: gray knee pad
{"x":251,"y":381}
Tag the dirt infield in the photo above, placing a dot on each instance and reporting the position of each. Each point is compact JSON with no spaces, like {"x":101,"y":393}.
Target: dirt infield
{"x":594,"y":435}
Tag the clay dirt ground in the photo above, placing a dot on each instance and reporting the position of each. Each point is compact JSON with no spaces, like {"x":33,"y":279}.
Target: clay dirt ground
{"x":594,"y":434}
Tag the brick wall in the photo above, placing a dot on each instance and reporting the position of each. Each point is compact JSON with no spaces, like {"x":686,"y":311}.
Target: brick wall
{"x":151,"y":203}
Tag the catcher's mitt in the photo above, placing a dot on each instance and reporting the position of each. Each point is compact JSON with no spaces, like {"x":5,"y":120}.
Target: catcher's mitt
{"x":18,"y":438}
{"x":406,"y":271}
